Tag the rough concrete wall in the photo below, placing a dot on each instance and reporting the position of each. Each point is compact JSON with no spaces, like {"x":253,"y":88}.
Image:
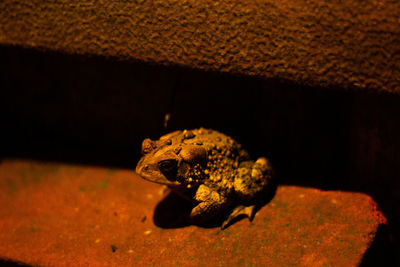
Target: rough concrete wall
{"x":353,"y":44}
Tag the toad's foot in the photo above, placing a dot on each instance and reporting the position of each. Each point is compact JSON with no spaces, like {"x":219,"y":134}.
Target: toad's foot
{"x":237,"y":212}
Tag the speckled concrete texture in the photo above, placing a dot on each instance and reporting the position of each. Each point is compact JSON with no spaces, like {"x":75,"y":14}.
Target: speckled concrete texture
{"x":351,"y":44}
{"x":69,"y":215}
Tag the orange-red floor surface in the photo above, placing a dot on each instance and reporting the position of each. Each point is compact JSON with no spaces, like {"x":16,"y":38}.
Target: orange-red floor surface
{"x":68,"y":215}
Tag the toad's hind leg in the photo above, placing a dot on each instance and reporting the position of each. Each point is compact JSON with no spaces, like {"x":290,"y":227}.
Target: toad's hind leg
{"x":252,"y":180}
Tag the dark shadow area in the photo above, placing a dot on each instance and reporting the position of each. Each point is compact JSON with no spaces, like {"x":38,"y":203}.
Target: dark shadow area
{"x":9,"y":263}
{"x":97,"y":111}
{"x":75,"y":109}
{"x":381,"y":252}
{"x":172,"y":212}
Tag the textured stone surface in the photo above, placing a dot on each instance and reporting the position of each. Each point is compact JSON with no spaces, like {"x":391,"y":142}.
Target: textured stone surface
{"x":69,"y":215}
{"x":352,"y":44}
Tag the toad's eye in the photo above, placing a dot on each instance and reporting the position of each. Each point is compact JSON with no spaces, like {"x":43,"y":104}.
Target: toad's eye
{"x":167,"y":167}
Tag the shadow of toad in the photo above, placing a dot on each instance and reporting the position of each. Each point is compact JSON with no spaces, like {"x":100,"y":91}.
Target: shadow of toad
{"x":10,"y":263}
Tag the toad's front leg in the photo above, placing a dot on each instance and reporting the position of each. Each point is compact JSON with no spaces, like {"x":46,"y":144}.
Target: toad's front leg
{"x":210,"y":204}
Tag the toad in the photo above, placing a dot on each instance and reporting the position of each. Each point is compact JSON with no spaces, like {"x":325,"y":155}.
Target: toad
{"x":208,"y":168}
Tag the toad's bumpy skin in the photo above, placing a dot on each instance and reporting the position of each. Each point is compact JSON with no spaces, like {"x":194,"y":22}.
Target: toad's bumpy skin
{"x":209,"y":168}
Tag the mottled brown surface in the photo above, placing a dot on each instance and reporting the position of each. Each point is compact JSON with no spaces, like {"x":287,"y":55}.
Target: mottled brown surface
{"x":350,"y":44}
{"x":68,"y":215}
